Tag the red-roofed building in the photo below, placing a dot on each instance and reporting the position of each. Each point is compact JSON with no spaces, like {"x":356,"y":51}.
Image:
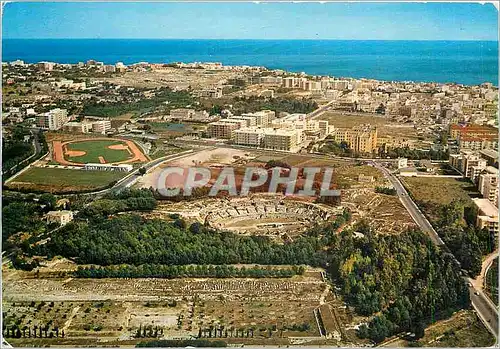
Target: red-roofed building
{"x":475,"y":137}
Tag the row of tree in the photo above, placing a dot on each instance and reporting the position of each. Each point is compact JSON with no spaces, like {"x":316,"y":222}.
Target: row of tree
{"x":415,"y":154}
{"x":178,"y":271}
{"x":385,"y":190}
{"x":27,"y":332}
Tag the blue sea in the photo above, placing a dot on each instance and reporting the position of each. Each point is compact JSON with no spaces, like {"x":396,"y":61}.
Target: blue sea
{"x":465,"y":62}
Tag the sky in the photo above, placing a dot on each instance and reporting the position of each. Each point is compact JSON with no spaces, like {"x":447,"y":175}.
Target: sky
{"x":338,"y":21}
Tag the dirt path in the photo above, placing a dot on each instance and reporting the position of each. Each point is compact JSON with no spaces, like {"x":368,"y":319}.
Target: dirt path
{"x":68,"y":322}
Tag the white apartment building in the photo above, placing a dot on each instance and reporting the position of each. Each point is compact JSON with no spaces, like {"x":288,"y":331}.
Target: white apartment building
{"x":251,"y":136}
{"x":78,"y":127}
{"x":263,"y":117}
{"x":271,"y":80}
{"x":186,"y":114}
{"x":470,"y":164}
{"x":282,"y":139}
{"x":488,"y":184}
{"x":45,"y":66}
{"x":53,"y":119}
{"x":488,"y":215}
{"x":249,"y":120}
{"x":223,"y":129}
{"x":101,"y":126}
{"x":109,"y":68}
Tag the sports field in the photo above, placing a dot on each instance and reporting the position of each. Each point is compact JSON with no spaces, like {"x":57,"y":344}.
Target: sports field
{"x":64,"y":180}
{"x":97,"y":150}
{"x":92,"y":151}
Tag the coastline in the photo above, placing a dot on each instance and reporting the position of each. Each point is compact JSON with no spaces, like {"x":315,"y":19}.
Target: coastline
{"x":462,"y":62}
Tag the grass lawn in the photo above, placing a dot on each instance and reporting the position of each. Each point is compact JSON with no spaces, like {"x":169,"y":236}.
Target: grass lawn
{"x":439,"y":190}
{"x":61,"y":180}
{"x":431,"y":193}
{"x":94,"y":149}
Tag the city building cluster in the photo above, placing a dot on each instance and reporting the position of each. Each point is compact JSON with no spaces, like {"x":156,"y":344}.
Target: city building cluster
{"x":479,"y":167}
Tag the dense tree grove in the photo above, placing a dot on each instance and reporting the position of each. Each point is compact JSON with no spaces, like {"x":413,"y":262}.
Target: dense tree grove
{"x":456,"y":226}
{"x":126,"y":200}
{"x":178,"y":271}
{"x":176,"y":99}
{"x":252,"y":104}
{"x":131,"y":239}
{"x":404,"y":277}
{"x":15,"y":149}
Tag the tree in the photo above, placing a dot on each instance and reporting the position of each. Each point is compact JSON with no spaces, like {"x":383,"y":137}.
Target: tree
{"x":142,"y":171}
{"x":48,"y":200}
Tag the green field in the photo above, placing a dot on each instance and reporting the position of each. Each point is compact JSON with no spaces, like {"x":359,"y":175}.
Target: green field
{"x":94,"y":149}
{"x":431,"y":193}
{"x":440,"y":190}
{"x":63,"y":180}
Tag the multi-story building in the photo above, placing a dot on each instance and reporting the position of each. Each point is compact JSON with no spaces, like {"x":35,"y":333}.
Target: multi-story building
{"x":186,"y":114}
{"x":361,"y":139}
{"x":487,"y":216}
{"x":101,"y":126}
{"x":488,"y":184}
{"x":53,"y":120}
{"x":45,"y":66}
{"x":474,"y":137}
{"x":469,"y":163}
{"x":263,"y":117}
{"x":251,"y":136}
{"x":271,"y":80}
{"x":473,"y":167}
{"x":249,"y":120}
{"x":109,"y":68}
{"x":491,"y":156}
{"x":222,"y":129}
{"x":215,"y":92}
{"x":289,"y":82}
{"x":78,"y":127}
{"x":282,"y":139}
{"x":478,"y":143}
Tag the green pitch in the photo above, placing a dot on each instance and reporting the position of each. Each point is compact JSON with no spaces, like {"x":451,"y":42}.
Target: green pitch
{"x":94,"y":149}
{"x":58,"y":179}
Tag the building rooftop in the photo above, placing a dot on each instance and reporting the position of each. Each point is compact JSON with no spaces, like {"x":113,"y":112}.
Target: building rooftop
{"x":486,"y":207}
{"x":490,"y":153}
{"x":491,"y":169}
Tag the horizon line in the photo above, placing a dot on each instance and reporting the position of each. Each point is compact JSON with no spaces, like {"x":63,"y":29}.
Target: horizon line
{"x":262,"y":39}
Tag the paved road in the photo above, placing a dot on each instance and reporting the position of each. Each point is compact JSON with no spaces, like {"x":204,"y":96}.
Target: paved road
{"x":484,"y":307}
{"x":410,"y":206}
{"x":320,"y":110}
